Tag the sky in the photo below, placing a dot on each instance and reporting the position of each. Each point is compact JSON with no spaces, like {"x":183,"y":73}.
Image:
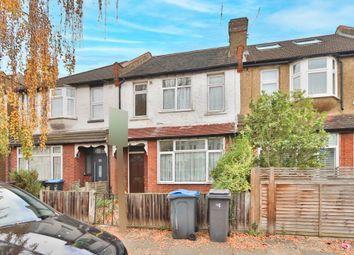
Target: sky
{"x":169,"y":26}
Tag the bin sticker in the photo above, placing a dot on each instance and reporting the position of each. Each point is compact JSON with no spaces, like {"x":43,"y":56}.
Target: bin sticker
{"x":218,"y":205}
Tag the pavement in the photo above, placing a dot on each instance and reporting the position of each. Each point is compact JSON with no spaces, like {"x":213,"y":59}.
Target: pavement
{"x":160,"y":242}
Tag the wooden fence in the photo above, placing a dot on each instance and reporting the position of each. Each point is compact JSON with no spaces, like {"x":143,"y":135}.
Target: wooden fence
{"x":306,"y":202}
{"x":150,"y":210}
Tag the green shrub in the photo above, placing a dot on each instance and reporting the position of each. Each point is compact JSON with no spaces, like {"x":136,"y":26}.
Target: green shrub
{"x":234,"y":167}
{"x":27,"y":180}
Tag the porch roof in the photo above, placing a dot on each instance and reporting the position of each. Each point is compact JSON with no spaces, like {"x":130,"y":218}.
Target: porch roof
{"x":182,"y":131}
{"x":342,"y":122}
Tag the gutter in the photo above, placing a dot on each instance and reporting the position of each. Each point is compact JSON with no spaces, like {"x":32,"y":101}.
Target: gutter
{"x":341,"y":81}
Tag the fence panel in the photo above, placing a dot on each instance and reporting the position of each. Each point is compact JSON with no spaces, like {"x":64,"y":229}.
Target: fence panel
{"x":72,"y":203}
{"x":150,"y":210}
{"x":306,"y":202}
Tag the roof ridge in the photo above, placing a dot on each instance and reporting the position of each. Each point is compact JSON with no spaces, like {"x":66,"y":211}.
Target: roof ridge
{"x":88,"y":71}
{"x":189,"y":51}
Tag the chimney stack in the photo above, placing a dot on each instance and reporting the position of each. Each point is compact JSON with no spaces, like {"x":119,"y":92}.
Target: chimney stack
{"x":238,"y":39}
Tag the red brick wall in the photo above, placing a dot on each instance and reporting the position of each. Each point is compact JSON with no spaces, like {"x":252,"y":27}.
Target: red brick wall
{"x":13,"y":160}
{"x":152,"y":185}
{"x":113,"y":171}
{"x":346,"y":155}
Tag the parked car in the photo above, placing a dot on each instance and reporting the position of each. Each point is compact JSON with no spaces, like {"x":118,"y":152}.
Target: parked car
{"x":28,"y":226}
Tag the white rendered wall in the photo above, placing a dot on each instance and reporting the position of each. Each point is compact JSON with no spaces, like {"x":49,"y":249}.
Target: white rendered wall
{"x":156,"y":116}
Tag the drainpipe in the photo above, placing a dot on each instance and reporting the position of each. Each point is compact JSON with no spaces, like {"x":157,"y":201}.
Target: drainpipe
{"x":341,"y":82}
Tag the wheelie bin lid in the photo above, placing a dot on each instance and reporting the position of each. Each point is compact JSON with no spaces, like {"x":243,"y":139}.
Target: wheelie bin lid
{"x":55,"y":181}
{"x":219,"y":194}
{"x":179,"y":193}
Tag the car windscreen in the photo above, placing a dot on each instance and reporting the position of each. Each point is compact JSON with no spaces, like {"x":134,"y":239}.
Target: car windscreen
{"x":17,"y":206}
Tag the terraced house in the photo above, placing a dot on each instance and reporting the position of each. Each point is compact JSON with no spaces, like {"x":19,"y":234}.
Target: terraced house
{"x":323,"y":67}
{"x":184,"y":109}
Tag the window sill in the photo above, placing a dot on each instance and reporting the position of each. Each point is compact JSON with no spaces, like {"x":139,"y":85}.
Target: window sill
{"x":136,"y":118}
{"x":215,"y":113}
{"x":324,"y":96}
{"x":184,"y":183}
{"x":62,"y":117}
{"x":95,"y":121}
{"x":176,"y":111}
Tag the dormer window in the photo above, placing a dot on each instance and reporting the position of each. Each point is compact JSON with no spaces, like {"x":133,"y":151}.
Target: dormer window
{"x":316,"y":76}
{"x":63,"y":102}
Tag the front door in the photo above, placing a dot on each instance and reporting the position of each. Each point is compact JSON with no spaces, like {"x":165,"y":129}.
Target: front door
{"x":99,"y":161}
{"x":136,"y":172}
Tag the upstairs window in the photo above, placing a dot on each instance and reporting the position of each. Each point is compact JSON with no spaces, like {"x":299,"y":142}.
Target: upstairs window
{"x":317,"y":76}
{"x":63,"y":102}
{"x":140,"y":99}
{"x":269,"y":81}
{"x":177,"y":93}
{"x":97,"y":103}
{"x":216,"y":98}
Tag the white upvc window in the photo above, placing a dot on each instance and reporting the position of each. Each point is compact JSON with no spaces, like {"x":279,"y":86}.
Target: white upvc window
{"x":48,"y":162}
{"x":317,"y":76}
{"x":331,"y":158}
{"x":269,"y":81}
{"x":63,"y":102}
{"x":216,"y":93}
{"x":177,"y":93}
{"x":96,"y":103}
{"x":140,"y":99}
{"x":188,"y":161}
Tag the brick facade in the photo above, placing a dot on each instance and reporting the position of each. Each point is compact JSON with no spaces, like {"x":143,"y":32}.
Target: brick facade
{"x":73,"y":168}
{"x":113,"y":171}
{"x":346,"y":154}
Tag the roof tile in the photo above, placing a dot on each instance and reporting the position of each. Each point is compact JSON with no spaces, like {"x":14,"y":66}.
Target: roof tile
{"x":181,"y":131}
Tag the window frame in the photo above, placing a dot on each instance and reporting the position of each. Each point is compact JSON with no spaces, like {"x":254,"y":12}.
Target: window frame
{"x":214,"y":86}
{"x":174,"y":152}
{"x":140,"y":93}
{"x":269,"y":81}
{"x":65,"y":98}
{"x":175,"y":88}
{"x":92,"y":104}
{"x":336,"y":147}
{"x":52,"y":154}
{"x":331,"y":76}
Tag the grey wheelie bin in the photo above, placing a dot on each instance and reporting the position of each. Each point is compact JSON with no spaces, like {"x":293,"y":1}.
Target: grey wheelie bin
{"x":183,"y":213}
{"x":218,"y":214}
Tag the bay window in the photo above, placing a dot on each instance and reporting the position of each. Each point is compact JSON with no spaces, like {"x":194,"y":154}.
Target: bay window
{"x":317,"y":76}
{"x":48,"y":162}
{"x":216,"y":93}
{"x":269,"y":81}
{"x":63,"y":102}
{"x":188,"y":161}
{"x":177,"y":93}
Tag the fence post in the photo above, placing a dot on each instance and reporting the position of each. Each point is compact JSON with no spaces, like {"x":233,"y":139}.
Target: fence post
{"x":320,"y":210}
{"x":92,"y":206}
{"x":41,"y":195}
{"x":271,"y":202}
{"x":255,"y":197}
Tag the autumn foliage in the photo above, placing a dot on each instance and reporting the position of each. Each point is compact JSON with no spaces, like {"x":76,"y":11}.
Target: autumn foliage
{"x":32,"y":42}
